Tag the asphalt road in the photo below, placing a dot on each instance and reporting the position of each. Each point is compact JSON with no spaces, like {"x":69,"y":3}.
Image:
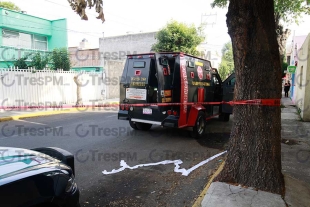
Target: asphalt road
{"x":99,"y":142}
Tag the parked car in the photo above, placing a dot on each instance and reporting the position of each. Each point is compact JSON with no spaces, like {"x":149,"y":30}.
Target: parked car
{"x":37,"y":177}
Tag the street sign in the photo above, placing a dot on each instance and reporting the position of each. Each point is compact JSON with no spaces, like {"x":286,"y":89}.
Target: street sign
{"x":291,"y":69}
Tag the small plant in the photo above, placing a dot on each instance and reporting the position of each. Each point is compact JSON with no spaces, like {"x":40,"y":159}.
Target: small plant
{"x":21,"y":63}
{"x":39,"y":61}
{"x":60,"y":59}
{"x":299,"y":114}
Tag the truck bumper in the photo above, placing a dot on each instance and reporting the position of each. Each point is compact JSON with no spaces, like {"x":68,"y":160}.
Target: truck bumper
{"x":123,"y":115}
{"x":171,"y":121}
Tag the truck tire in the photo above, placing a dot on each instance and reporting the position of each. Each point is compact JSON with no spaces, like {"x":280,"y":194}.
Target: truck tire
{"x":200,"y":125}
{"x":143,"y":126}
{"x":224,"y":117}
{"x":133,"y":125}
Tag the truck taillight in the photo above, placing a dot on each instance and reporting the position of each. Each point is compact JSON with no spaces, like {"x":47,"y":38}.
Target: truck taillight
{"x":127,"y":107}
{"x":122,"y":107}
{"x":140,"y":56}
{"x":129,"y":57}
{"x":171,"y":112}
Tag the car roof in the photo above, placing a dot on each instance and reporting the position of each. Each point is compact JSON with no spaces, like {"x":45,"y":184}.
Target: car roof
{"x":176,"y":53}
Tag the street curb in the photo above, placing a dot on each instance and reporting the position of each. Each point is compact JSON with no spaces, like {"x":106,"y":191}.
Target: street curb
{"x":204,"y":191}
{"x":47,"y":113}
{"x":31,"y":115}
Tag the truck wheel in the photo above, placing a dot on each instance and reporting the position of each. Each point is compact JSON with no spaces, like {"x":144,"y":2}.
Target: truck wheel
{"x":143,"y":126}
{"x":133,"y":125}
{"x":200,"y":125}
{"x":224,"y":117}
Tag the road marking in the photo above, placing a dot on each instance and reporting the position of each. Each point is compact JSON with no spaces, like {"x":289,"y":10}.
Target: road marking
{"x":177,"y":164}
{"x":31,"y":122}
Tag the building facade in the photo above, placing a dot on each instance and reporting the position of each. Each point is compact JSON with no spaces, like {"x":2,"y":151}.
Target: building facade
{"x":22,"y":35}
{"x":302,"y":80}
{"x":292,"y":60}
{"x":113,"y":51}
{"x":85,"y":58}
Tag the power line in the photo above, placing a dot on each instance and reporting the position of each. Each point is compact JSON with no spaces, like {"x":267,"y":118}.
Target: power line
{"x":67,"y":6}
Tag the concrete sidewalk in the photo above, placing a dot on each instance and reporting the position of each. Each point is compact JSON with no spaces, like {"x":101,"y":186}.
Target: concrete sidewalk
{"x":10,"y":114}
{"x":295,"y":149}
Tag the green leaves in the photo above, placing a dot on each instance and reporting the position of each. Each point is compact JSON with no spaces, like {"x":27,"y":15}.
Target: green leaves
{"x":9,"y":5}
{"x":39,"y":61}
{"x":178,"y":37}
{"x":288,"y":11}
{"x":227,"y":64}
{"x":21,"y":63}
{"x":60,"y":59}
{"x":219,"y":3}
{"x":57,"y":59}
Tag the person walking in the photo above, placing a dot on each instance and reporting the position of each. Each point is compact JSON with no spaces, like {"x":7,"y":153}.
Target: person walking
{"x":287,"y":87}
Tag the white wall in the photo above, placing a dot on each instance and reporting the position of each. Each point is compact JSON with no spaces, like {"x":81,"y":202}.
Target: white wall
{"x":29,"y":87}
{"x":302,"y":80}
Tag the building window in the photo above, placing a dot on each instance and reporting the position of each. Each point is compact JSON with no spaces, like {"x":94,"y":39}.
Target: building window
{"x":10,"y":38}
{"x":40,"y":42}
{"x":24,"y":40}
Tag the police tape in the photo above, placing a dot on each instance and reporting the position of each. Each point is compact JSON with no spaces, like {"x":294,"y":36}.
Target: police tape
{"x":258,"y":102}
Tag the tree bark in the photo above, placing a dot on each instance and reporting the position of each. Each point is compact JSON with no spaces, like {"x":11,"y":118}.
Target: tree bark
{"x":78,"y":91}
{"x":254,"y":153}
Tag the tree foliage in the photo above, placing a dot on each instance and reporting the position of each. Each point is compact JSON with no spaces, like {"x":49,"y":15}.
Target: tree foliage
{"x":226,"y":66}
{"x":285,"y":10}
{"x":79,"y":7}
{"x":9,"y":5}
{"x":21,"y":63}
{"x":39,"y":61}
{"x":178,"y":37}
{"x":290,"y":11}
{"x":60,"y":59}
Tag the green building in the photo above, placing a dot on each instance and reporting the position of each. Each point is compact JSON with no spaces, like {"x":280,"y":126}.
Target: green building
{"x":22,"y":34}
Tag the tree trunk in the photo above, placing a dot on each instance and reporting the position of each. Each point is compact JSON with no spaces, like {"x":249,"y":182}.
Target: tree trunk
{"x":282,"y":37}
{"x":254,"y":153}
{"x":78,"y":91}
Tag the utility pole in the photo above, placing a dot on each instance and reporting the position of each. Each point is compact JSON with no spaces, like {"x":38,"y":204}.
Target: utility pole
{"x":206,"y":19}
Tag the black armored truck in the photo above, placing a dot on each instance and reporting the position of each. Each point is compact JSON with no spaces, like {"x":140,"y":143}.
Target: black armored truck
{"x":173,"y":90}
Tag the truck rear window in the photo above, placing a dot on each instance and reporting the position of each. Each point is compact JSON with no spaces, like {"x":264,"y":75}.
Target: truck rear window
{"x":139,"y":64}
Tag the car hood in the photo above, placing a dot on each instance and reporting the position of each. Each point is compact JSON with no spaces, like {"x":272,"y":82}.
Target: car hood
{"x":13,"y":160}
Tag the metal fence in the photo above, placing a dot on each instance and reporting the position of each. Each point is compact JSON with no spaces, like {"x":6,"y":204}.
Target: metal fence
{"x":29,"y":87}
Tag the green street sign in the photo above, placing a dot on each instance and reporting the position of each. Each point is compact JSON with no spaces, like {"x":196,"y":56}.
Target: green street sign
{"x":291,"y":69}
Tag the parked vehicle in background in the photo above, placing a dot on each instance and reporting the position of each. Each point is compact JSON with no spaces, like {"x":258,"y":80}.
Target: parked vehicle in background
{"x":172,"y":90}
